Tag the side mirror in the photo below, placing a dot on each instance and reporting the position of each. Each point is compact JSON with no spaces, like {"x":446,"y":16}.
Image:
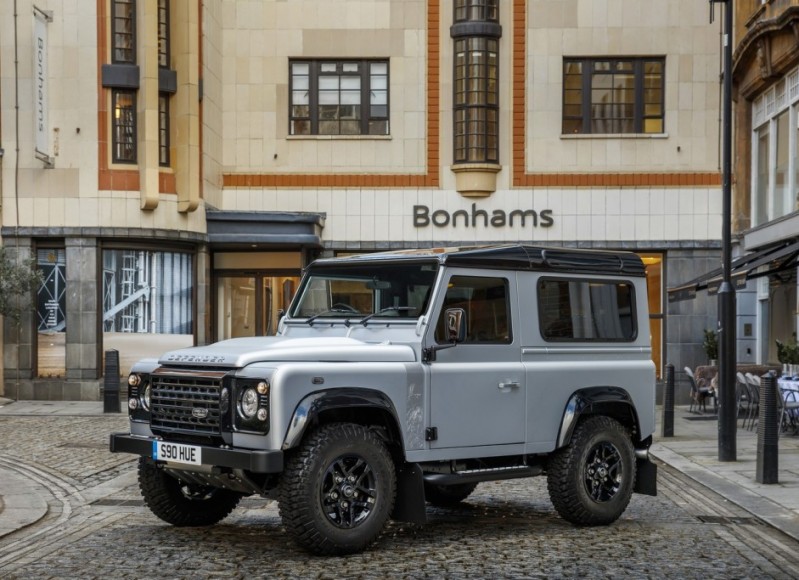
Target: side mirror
{"x":455,"y":324}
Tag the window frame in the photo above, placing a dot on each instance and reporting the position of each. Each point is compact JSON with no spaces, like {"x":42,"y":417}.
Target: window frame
{"x":587,"y":74}
{"x":462,"y":134}
{"x":560,"y":339}
{"x":115,"y":21}
{"x":315,"y":73}
{"x":165,"y":52}
{"x":163,"y":130}
{"x":117,"y":126}
{"x":487,"y":10}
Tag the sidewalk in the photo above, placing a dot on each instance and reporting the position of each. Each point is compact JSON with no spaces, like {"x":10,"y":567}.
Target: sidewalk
{"x":693,"y":451}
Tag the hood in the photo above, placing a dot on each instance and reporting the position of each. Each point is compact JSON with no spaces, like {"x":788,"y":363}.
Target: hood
{"x":240,"y":352}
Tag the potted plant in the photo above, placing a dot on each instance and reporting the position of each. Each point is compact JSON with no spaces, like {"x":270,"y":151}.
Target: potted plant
{"x":788,"y":355}
{"x":711,"y":346}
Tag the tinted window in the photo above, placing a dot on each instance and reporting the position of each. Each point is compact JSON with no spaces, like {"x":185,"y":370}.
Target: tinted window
{"x":485,"y":301}
{"x":586,"y":311}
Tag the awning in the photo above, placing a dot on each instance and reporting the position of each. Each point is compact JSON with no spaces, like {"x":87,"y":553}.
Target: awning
{"x":756,"y":264}
{"x":269,"y":229}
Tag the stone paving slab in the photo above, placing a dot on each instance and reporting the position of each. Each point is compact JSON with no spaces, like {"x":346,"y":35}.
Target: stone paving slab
{"x":22,"y":502}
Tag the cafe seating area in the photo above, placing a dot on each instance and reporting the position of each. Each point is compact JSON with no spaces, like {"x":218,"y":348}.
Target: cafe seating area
{"x":703,"y":384}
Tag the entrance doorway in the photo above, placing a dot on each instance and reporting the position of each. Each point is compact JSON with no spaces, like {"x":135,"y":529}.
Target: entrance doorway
{"x":251,"y":304}
{"x":251,"y":290}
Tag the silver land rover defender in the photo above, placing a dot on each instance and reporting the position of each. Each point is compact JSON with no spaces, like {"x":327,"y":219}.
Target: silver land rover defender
{"x":408,"y":377}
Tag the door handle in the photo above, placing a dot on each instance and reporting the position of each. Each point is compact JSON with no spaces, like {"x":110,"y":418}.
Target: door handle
{"x":508,"y":385}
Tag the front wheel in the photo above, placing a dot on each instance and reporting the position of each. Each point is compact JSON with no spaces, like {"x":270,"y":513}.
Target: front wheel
{"x":180,"y":503}
{"x":591,"y":480}
{"x":338,"y":489}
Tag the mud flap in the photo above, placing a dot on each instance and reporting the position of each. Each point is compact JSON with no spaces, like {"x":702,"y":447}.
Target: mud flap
{"x":646,"y":481}
{"x":410,"y":503}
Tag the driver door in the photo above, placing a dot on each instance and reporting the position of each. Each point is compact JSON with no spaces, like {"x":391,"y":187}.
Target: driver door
{"x":477,"y":388}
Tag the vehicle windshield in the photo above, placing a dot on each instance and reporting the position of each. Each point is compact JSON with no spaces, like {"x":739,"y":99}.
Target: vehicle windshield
{"x":365,"y":289}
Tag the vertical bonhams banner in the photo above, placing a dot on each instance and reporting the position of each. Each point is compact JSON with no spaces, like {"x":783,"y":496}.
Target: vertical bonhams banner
{"x":41,"y":125}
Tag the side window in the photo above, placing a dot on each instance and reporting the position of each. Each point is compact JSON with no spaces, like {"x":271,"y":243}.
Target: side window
{"x":486,"y":303}
{"x":575,"y":310}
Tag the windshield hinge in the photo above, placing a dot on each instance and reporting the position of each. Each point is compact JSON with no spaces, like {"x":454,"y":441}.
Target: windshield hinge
{"x":431,"y":434}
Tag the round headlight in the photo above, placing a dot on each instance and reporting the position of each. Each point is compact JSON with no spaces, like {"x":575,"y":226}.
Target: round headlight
{"x":262,"y":414}
{"x":145,"y":399}
{"x":133,"y":404}
{"x":248,"y":405}
{"x":134,"y":380}
{"x":263,"y":388}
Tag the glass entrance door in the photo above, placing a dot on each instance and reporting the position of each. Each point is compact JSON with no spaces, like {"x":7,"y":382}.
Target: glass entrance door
{"x":250,"y":304}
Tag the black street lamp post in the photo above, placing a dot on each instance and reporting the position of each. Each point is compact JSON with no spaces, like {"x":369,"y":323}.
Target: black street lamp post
{"x":727,"y":422}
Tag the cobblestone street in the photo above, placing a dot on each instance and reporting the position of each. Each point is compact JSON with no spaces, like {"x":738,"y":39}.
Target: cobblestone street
{"x":96,"y":526}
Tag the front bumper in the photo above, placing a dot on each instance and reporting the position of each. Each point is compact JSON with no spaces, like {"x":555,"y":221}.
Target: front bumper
{"x":248,"y":459}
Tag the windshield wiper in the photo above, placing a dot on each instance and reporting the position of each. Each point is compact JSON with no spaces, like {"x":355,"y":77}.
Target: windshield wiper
{"x":365,"y":319}
{"x":327,"y":312}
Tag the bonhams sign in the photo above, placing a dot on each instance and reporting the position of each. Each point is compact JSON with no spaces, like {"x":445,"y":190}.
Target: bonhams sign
{"x":41,"y":125}
{"x":423,"y":217}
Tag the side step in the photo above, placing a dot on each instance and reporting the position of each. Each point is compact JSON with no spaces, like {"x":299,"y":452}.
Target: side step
{"x":478,"y":475}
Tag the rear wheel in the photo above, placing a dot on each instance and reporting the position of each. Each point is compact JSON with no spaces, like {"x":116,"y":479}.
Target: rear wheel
{"x":591,"y":480}
{"x":447,"y":495}
{"x":180,"y":503}
{"x":338,"y":489}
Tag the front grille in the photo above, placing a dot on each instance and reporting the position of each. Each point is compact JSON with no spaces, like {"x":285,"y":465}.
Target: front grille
{"x":178,"y":403}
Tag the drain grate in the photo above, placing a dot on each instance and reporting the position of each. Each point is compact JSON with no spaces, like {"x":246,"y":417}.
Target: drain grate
{"x":725,"y":520}
{"x":118,"y":502}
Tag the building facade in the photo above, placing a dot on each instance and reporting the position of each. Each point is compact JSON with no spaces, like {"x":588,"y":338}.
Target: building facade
{"x":171,"y":165}
{"x":766,"y":202}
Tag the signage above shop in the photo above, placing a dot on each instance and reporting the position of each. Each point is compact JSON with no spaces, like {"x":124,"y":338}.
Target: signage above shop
{"x":423,"y":217}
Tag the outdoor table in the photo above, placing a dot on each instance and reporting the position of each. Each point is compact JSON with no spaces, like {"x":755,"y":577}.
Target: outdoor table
{"x":789,"y":389}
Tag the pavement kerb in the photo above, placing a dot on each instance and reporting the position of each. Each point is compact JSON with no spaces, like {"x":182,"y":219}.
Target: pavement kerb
{"x":760,"y":507}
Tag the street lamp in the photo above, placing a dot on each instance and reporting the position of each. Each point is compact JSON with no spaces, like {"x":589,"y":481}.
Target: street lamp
{"x":727,"y":422}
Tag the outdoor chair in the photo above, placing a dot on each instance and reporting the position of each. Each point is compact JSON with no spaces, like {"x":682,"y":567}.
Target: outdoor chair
{"x":753,"y":383}
{"x":699,"y":392}
{"x":787,"y":410}
{"x":743,"y":399}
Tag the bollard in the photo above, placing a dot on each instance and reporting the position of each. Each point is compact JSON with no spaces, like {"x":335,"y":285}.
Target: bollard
{"x":111,"y":382}
{"x":668,"y":402}
{"x":767,"y":431}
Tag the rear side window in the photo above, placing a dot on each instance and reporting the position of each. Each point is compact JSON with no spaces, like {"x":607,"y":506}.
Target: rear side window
{"x":579,"y":310}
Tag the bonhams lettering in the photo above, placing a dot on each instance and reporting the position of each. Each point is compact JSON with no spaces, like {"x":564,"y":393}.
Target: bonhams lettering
{"x":423,"y":217}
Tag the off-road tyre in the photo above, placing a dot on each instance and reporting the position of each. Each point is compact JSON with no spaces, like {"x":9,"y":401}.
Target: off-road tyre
{"x":337,"y":489}
{"x":447,"y":495}
{"x":591,"y":480}
{"x":182,"y":504}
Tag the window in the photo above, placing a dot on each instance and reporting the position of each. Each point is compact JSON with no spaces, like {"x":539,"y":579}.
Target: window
{"x":611,"y":96}
{"x":51,"y":319}
{"x":476,"y":106}
{"x":148,"y":302}
{"x":357,"y":290}
{"x":574,"y":310}
{"x":485,"y":302}
{"x":163,"y":33}
{"x":163,"y":129}
{"x":339,"y":97}
{"x":124,"y":126}
{"x":123,"y":31}
{"x":476,"y":10}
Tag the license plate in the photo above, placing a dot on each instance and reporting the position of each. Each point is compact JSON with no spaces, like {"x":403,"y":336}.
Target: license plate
{"x":177,"y":452}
